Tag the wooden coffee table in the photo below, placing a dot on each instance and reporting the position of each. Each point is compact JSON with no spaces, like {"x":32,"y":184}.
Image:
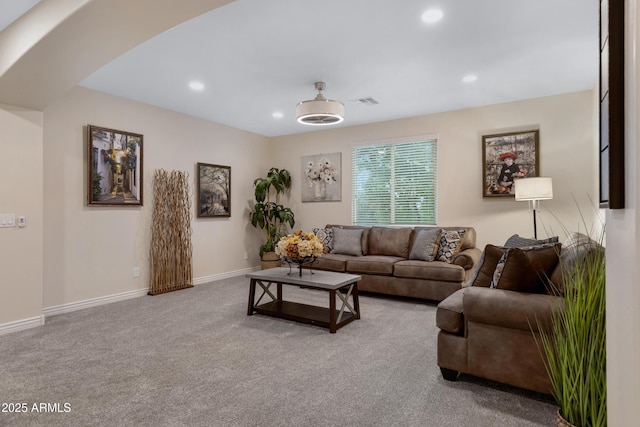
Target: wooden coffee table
{"x":340,"y":284}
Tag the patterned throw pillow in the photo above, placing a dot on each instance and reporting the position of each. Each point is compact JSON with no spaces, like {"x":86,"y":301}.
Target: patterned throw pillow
{"x":425,"y":245}
{"x":516,"y":241}
{"x":450,"y":244}
{"x":486,"y":266}
{"x":347,"y":241}
{"x":497,"y":273}
{"x":326,"y":237}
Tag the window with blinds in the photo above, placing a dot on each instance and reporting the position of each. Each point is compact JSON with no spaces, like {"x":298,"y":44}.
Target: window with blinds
{"x":394,"y":183}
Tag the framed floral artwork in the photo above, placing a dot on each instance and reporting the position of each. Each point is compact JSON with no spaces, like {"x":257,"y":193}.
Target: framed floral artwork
{"x":506,"y":158}
{"x":321,"y":178}
{"x":114,"y":167}
{"x":213,"y":190}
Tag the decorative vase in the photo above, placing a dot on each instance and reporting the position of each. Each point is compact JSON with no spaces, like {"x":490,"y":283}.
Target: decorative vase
{"x":562,"y":422}
{"x":270,"y":260}
{"x":320,"y":190}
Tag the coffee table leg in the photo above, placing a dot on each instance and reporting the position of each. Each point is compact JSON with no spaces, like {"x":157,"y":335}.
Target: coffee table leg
{"x":356,"y":300}
{"x":279,"y":291}
{"x":332,"y":311}
{"x":252,"y":296}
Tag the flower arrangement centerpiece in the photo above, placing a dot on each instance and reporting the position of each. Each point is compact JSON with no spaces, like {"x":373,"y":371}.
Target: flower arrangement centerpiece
{"x":319,"y":173}
{"x":300,"y":248}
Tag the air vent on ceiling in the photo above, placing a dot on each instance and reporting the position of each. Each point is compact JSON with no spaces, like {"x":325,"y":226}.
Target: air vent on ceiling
{"x":364,"y":101}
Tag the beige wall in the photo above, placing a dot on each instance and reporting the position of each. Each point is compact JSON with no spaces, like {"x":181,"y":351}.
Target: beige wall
{"x":623,"y":253}
{"x":21,"y":194}
{"x":567,"y":154}
{"x":90,"y":252}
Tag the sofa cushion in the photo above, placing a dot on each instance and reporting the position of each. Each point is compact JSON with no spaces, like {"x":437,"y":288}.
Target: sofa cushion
{"x":326,"y":237}
{"x":449,"y":315}
{"x":468,"y":239}
{"x":487,"y":265}
{"x":516,"y":241}
{"x":365,"y":234}
{"x":347,"y":241}
{"x":389,"y":241}
{"x":450,"y":244}
{"x":332,"y":262}
{"x":429,"y":270}
{"x":372,"y":264}
{"x":424,"y":245}
{"x":525,"y":270}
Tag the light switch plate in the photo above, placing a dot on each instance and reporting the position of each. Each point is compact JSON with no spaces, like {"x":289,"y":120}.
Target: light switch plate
{"x":7,"y":220}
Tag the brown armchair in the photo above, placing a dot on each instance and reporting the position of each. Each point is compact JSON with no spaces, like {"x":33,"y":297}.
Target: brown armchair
{"x":490,"y":327}
{"x":491,"y":333}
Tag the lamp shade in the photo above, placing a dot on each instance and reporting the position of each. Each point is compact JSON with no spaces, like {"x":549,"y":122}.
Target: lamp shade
{"x":538,"y":188}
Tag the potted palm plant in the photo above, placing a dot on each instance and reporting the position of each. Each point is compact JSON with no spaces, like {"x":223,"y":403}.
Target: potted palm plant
{"x":269,"y":215}
{"x":574,"y":348}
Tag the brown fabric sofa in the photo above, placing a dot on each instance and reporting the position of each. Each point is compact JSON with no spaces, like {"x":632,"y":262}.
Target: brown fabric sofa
{"x":493,"y":333}
{"x":383,"y":260}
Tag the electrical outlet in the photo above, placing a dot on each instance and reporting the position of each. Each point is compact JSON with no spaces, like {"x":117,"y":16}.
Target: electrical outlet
{"x":136,"y":271}
{"x":246,"y":255}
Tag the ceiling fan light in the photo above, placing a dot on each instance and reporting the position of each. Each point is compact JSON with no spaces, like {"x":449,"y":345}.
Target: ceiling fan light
{"x":320,"y":111}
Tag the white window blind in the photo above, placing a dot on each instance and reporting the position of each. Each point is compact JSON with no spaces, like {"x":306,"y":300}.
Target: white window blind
{"x":394,"y":183}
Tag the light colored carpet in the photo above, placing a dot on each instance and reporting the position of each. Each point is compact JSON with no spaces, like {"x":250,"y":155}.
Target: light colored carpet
{"x":194,"y":358}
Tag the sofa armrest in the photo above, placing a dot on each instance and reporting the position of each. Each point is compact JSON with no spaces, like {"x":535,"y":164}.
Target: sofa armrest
{"x":467,"y":258}
{"x":510,"y":309}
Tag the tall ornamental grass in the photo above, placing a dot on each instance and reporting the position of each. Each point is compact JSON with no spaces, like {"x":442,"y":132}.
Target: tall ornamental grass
{"x":574,"y":348}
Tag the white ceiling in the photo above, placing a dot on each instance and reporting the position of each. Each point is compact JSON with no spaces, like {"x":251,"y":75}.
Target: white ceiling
{"x":10,"y":10}
{"x":257,"y":57}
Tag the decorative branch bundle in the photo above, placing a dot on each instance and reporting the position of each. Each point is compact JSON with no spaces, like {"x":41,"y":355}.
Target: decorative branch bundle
{"x":171,"y":248}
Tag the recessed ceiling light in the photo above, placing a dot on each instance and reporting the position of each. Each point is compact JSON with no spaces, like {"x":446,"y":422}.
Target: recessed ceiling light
{"x":431,"y":16}
{"x":277,"y":115}
{"x":198,"y":86}
{"x":470,"y":78}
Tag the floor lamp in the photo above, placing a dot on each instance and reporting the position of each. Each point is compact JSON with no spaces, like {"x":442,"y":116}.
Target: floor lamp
{"x":533,"y":190}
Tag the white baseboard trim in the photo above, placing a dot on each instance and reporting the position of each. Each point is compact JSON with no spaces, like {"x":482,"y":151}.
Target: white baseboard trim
{"x":33,"y":322}
{"x":221,"y":276}
{"x":21,"y":325}
{"x":93,"y":302}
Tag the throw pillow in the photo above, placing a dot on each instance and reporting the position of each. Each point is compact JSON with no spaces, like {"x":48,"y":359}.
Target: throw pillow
{"x":450,"y":244}
{"x":525,"y":270}
{"x":425,"y":245}
{"x":487,"y":265}
{"x":497,"y":273}
{"x":326,"y":237}
{"x":516,"y":241}
{"x":347,"y":241}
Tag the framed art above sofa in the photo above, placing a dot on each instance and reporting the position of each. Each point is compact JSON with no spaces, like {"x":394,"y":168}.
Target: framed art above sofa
{"x":507,"y":157}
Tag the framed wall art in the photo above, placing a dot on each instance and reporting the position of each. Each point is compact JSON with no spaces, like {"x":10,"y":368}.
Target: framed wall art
{"x":321,"y":181}
{"x":213,"y":190}
{"x":114,"y":172}
{"x":507,"y":157}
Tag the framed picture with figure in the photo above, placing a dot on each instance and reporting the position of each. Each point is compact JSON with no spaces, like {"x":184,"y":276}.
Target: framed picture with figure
{"x":114,"y":167}
{"x":213,"y":190}
{"x":507,"y":157}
